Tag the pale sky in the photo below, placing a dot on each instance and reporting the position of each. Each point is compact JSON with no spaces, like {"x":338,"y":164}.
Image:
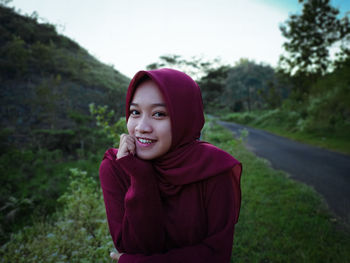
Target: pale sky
{"x":130,"y":34}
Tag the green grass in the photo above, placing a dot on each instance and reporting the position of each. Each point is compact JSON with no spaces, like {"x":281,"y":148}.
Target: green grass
{"x":337,"y":141}
{"x":281,"y":220}
{"x":288,"y":124}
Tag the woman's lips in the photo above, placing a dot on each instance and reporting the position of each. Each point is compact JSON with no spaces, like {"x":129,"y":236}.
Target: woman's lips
{"x":144,"y":142}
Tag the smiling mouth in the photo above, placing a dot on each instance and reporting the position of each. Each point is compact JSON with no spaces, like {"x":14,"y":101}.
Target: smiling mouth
{"x":145,"y":141}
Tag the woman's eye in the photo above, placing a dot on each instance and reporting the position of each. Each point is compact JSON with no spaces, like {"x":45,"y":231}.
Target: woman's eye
{"x":134,"y":112}
{"x":159,"y":114}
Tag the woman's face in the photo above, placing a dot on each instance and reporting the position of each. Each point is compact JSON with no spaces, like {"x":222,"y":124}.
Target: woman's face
{"x":149,"y":121}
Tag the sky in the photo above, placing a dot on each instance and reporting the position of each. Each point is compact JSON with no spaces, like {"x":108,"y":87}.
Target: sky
{"x":130,"y":34}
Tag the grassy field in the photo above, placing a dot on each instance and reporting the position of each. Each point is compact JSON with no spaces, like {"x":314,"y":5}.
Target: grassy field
{"x":281,"y":220}
{"x":288,"y":125}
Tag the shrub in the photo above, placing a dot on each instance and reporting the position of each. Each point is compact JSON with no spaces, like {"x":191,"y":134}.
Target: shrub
{"x":79,"y":234}
{"x":329,"y":110}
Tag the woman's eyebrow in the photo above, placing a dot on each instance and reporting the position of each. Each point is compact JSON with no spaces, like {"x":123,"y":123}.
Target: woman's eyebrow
{"x":152,"y":105}
{"x":158,"y":104}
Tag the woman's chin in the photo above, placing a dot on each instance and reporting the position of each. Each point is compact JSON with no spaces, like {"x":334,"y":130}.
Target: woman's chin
{"x":145,"y":155}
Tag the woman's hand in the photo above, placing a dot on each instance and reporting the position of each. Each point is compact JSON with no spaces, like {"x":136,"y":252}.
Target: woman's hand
{"x":126,"y":146}
{"x":115,"y":255}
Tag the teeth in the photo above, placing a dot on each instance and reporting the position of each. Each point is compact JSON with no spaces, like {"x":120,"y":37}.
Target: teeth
{"x":145,"y":141}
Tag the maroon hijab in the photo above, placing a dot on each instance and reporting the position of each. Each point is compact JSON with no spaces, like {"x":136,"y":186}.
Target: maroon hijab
{"x":188,"y":159}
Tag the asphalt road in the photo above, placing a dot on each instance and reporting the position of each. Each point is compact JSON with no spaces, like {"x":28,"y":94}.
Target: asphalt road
{"x":328,"y":172}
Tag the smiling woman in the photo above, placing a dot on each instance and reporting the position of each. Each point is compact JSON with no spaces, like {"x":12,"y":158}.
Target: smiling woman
{"x":169,"y":197}
{"x":149,"y":122}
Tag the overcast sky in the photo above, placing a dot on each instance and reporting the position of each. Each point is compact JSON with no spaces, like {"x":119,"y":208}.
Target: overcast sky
{"x":130,"y":34}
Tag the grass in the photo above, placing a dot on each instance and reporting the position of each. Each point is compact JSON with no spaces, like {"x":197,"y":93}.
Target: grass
{"x":288,"y":125}
{"x":337,"y":141}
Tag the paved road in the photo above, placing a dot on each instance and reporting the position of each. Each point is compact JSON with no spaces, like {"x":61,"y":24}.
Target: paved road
{"x":328,"y":172}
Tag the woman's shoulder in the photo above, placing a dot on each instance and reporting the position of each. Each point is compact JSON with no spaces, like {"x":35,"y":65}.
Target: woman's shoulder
{"x":215,"y":154}
{"x":108,"y":163}
{"x":110,"y":154}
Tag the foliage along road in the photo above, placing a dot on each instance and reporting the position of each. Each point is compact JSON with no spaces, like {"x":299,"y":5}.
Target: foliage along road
{"x":328,"y":172}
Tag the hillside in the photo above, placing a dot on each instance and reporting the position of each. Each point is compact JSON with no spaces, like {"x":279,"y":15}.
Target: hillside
{"x":47,"y":83}
{"x":46,"y":78}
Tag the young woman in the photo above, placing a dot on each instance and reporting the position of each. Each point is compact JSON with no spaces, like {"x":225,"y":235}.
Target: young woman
{"x":169,"y":197}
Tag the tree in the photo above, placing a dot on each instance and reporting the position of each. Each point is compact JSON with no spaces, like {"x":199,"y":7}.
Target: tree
{"x":48,"y":98}
{"x":210,"y":75}
{"x":310,"y":36}
{"x":245,"y":82}
{"x":212,"y":86}
{"x":196,"y":67}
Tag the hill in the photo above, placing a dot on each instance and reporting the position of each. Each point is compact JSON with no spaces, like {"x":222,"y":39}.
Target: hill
{"x":47,"y":83}
{"x":47,"y":79}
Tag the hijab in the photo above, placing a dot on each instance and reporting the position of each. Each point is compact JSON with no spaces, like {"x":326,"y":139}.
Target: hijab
{"x":188,"y":160}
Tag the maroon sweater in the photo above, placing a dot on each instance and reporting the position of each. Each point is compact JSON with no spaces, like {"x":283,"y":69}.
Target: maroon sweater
{"x":191,"y":223}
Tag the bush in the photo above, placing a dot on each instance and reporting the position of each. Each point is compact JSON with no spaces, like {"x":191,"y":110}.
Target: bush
{"x":330,"y":110}
{"x":243,"y":118}
{"x":79,"y":234}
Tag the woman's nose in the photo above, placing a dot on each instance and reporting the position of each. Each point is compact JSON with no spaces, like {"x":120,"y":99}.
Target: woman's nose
{"x":144,"y":125}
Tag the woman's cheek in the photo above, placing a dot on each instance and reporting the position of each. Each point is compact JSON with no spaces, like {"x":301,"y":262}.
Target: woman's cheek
{"x":130,"y":126}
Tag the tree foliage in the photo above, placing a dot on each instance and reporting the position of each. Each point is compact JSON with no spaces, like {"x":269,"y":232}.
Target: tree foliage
{"x":196,"y":67}
{"x":245,"y":86}
{"x":44,"y":76}
{"x":212,"y":86}
{"x":311,"y":35}
{"x":245,"y":83}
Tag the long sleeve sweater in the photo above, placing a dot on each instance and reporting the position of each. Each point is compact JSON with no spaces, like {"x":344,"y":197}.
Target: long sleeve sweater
{"x":193,"y":224}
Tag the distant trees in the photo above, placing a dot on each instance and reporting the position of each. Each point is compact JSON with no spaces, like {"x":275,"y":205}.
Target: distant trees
{"x":245,"y":86}
{"x":246,"y":83}
{"x":213,"y":87}
{"x":47,"y":101}
{"x":15,"y":56}
{"x":210,"y":75}
{"x":196,"y":67}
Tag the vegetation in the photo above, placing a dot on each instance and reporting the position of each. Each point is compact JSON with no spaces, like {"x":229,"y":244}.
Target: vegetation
{"x":291,"y":125}
{"x":47,"y":84}
{"x":54,"y":132}
{"x":280,"y":221}
{"x":318,"y":106}
{"x":38,"y":177}
{"x":321,"y":119}
{"x":225,"y":88}
{"x":78,"y":233}
{"x":48,"y":81}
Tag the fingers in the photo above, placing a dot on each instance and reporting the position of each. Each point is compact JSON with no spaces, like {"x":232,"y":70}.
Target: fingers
{"x":130,"y":144}
{"x":115,"y":256}
{"x":126,"y":146}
